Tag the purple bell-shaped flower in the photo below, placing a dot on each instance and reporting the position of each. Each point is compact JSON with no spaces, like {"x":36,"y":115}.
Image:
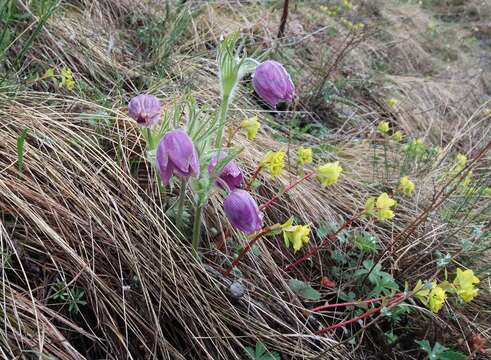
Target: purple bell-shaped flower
{"x":230,"y":174}
{"x":145,"y":109}
{"x":176,"y":155}
{"x":273,"y":83}
{"x":242,"y":211}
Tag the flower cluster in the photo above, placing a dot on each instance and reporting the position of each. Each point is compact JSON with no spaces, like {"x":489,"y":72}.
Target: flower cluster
{"x":328,"y":174}
{"x":274,"y":162}
{"x":381,"y":207}
{"x":251,"y":126}
{"x":295,"y":236}
{"x":406,"y":186}
{"x":434,"y":295}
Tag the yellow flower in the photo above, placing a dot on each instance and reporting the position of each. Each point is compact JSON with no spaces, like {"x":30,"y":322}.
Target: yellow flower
{"x":67,"y":79}
{"x":50,"y":73}
{"x":464,"y":284}
{"x":384,"y":204}
{"x":487,"y":111}
{"x":392,"y":102}
{"x":406,"y":186}
{"x":460,"y":161}
{"x":304,"y":155}
{"x":383,"y":127}
{"x":380,"y":207}
{"x":274,"y":162}
{"x":397,"y":136}
{"x":328,"y":174}
{"x":436,"y":298}
{"x":251,"y":125}
{"x":296,"y":235}
{"x":370,"y":206}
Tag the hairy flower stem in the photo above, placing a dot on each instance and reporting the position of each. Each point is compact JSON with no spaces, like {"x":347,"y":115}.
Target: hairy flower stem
{"x":180,"y":203}
{"x":288,"y":188}
{"x":395,"y":300}
{"x":323,"y":244}
{"x":245,"y":250}
{"x":222,"y":117}
{"x":149,"y":138}
{"x":198,"y":212}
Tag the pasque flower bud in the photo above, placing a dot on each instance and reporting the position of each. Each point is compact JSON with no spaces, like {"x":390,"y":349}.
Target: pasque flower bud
{"x":242,"y":211}
{"x":230,"y":174}
{"x":176,"y":155}
{"x":145,"y":109}
{"x":273,"y":83}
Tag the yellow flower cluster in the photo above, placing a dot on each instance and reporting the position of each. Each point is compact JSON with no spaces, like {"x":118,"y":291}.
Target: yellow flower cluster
{"x":274,"y":162}
{"x":433,"y":295}
{"x":66,"y":76}
{"x":380,"y":208}
{"x":406,"y":186}
{"x":383,"y":127}
{"x":251,"y":126}
{"x":304,"y":155}
{"x":392,"y":102}
{"x":464,"y":284}
{"x":397,"y":136}
{"x":295,"y":236}
{"x":433,"y":298}
{"x":329,"y":173}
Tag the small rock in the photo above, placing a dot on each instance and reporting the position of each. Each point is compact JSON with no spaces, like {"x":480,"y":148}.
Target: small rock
{"x":236,"y":290}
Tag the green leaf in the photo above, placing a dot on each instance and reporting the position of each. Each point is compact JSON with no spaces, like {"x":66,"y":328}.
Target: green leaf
{"x":452,"y":355}
{"x":20,"y":149}
{"x":304,"y":290}
{"x":260,"y":349}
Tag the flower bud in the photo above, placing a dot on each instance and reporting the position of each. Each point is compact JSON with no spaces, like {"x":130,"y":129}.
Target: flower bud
{"x":176,"y":155}
{"x":242,"y":211}
{"x":273,"y":83}
{"x":230,"y":174}
{"x":145,"y":109}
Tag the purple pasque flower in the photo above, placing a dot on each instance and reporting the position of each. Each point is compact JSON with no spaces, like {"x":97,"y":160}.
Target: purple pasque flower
{"x":230,"y":174}
{"x":242,"y":211}
{"x":145,"y":109}
{"x":273,"y":83}
{"x":176,"y":155}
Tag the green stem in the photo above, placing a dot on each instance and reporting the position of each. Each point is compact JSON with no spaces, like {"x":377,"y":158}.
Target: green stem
{"x":180,"y":204}
{"x":149,"y":139}
{"x":221,"y":121}
{"x":197,"y":229}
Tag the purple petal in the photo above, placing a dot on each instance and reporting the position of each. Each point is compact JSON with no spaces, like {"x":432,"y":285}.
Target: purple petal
{"x":145,"y":109}
{"x":242,"y":211}
{"x":272,"y":83}
{"x":182,"y":152}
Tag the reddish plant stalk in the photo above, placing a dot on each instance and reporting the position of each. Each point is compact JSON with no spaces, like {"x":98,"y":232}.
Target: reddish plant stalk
{"x":245,"y":250}
{"x":397,"y":299}
{"x":350,"y":303}
{"x":324,"y":242}
{"x":288,"y":188}
{"x":256,"y":173}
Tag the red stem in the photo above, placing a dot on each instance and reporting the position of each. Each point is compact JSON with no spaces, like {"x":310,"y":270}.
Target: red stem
{"x":246,"y":250}
{"x":324,"y":242}
{"x":256,"y":173}
{"x":288,"y":188}
{"x":397,"y":299}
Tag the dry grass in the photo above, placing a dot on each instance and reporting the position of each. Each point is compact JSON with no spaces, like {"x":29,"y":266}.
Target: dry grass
{"x":86,"y":210}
